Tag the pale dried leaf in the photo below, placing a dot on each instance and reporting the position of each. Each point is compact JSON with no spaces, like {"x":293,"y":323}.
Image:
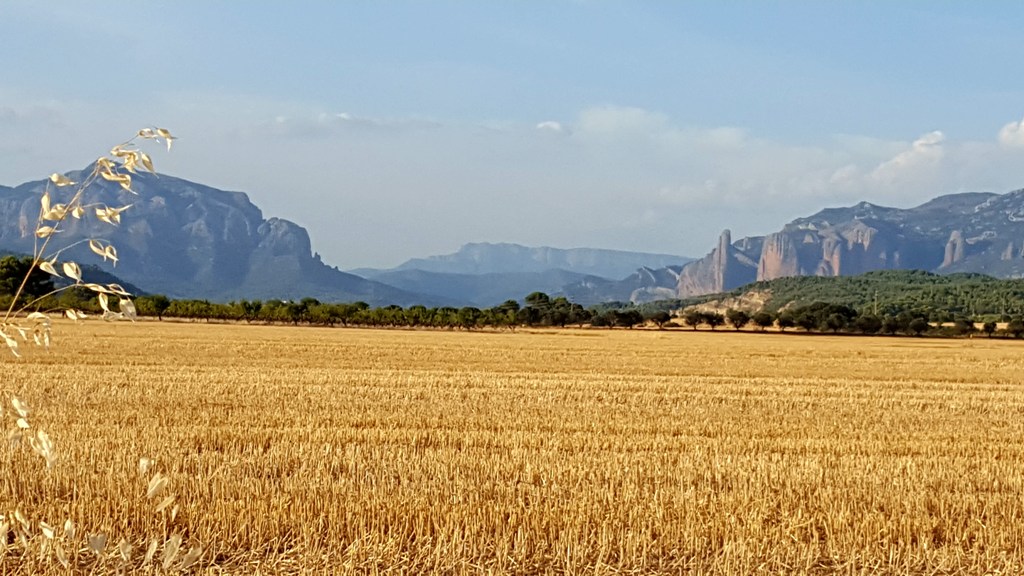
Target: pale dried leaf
{"x":48,"y":531}
{"x":71,"y":270}
{"x":164,"y":503}
{"x":69,"y":529}
{"x":125,"y":549}
{"x":56,"y":213}
{"x":62,"y":556}
{"x":171,"y":548}
{"x":191,"y":558}
{"x":96,"y":247}
{"x":150,"y":552}
{"x":45,"y":201}
{"x":78,"y":211}
{"x":21,"y":518}
{"x":45,"y":231}
{"x":97,"y":543}
{"x":47,"y":266}
{"x":127,"y":308}
{"x":145,"y":464}
{"x":23,"y":424}
{"x":111,"y":253}
{"x":60,"y":180}
{"x":156,"y":485}
{"x":104,"y":303}
{"x":98,"y":288}
{"x":147,"y":162}
{"x":12,"y":344}
{"x":20,"y":406}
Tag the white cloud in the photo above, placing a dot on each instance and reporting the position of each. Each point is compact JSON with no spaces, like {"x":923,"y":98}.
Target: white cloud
{"x":920,"y":159}
{"x":621,"y":120}
{"x":1012,"y":135}
{"x":551,"y":126}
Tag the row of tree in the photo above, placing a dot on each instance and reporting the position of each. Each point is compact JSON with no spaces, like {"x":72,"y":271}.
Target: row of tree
{"x":538,"y":309}
{"x":837,"y":318}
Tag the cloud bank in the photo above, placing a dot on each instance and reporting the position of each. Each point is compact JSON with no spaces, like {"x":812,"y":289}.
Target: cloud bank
{"x":378,"y":190}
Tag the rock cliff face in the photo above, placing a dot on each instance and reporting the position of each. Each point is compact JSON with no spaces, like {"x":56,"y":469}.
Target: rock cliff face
{"x":972,"y":232}
{"x":187,"y":240}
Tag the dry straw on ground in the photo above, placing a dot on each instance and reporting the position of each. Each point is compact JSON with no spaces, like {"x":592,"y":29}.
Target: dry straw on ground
{"x":298,"y":450}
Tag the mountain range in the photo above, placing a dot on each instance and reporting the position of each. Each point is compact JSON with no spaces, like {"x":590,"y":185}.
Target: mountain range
{"x":979,"y":232}
{"x":188,"y":240}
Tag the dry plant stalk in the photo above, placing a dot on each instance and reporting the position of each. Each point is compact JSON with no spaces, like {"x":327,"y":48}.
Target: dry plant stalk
{"x":34,"y":543}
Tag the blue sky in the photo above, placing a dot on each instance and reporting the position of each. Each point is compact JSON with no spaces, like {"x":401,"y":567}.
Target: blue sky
{"x":401,"y":129}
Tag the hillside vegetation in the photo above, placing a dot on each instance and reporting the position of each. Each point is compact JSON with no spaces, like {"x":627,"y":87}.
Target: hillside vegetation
{"x":894,"y":291}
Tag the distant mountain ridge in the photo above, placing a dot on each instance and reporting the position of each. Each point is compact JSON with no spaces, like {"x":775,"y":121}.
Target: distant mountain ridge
{"x":485,"y":274}
{"x":501,"y":258}
{"x":979,"y":232}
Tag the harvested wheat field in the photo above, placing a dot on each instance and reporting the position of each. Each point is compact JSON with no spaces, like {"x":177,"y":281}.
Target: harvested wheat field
{"x":306,"y":450}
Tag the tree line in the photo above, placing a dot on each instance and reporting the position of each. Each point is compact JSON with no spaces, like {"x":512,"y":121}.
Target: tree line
{"x":537,"y":309}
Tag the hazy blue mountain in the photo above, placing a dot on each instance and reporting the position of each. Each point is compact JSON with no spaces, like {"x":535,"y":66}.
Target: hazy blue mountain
{"x":487,"y":258}
{"x":483,"y":290}
{"x":188,"y":240}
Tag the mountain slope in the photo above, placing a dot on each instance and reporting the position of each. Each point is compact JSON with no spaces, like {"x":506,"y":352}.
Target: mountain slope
{"x":970,"y":232}
{"x":188,"y":240}
{"x":488,"y":258}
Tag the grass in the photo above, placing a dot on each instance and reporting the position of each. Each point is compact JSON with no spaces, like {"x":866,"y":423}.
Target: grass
{"x":296,"y":450}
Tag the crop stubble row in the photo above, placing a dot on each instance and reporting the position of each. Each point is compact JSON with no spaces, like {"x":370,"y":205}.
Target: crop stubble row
{"x":592,"y":451}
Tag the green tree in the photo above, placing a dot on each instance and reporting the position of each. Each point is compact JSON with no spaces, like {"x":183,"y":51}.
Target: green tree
{"x":989,"y":328}
{"x":764,"y":319}
{"x":785,"y":320}
{"x":868,"y":324}
{"x":659,"y":318}
{"x":1015,"y":327}
{"x":153,"y":305}
{"x":14,"y":270}
{"x":714,"y":319}
{"x":693,"y":318}
{"x":919,"y":326}
{"x":835,"y":322}
{"x":737,"y":318}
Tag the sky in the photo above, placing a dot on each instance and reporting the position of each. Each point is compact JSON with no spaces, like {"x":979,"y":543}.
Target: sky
{"x":393,"y":130}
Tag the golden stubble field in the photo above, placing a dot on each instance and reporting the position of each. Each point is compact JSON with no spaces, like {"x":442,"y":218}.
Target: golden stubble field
{"x":308,"y":450}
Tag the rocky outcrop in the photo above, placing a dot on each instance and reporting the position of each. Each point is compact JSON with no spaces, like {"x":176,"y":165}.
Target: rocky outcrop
{"x":971,"y":232}
{"x":954,"y":251}
{"x":187,"y":240}
{"x":726,"y":265}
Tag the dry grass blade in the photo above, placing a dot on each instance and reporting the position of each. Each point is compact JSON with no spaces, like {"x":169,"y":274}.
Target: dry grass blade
{"x":171,"y":548}
{"x":20,"y":407}
{"x":62,"y":556}
{"x":125,"y":549}
{"x":164,"y":503}
{"x":157,"y":484}
{"x":150,"y":552}
{"x":189,"y":559}
{"x":69,"y":529}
